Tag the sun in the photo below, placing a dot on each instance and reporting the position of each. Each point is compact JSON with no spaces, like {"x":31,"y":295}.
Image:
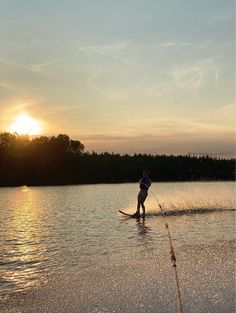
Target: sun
{"x":25,"y":125}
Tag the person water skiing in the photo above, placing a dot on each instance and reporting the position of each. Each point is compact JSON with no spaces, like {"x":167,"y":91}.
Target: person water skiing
{"x":144,"y":184}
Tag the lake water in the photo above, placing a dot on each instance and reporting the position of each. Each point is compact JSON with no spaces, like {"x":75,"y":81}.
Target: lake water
{"x":67,"y":249}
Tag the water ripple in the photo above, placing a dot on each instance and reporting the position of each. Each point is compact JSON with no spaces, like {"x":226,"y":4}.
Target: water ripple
{"x":47,"y":229}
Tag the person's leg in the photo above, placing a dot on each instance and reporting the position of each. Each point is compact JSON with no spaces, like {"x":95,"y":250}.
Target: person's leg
{"x":143,"y":207}
{"x":139,"y":199}
{"x":138,"y":208}
{"x":144,"y":196}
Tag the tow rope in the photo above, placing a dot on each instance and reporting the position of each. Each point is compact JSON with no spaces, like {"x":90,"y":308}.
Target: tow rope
{"x":172,"y":258}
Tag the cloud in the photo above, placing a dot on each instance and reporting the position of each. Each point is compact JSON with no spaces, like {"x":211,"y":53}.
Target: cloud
{"x":116,"y":49}
{"x":155,"y":144}
{"x":139,"y":70}
{"x":189,"y":76}
{"x":225,"y":110}
{"x":173,"y":44}
{"x":5,"y":85}
{"x":40,"y":66}
{"x":34,"y":68}
{"x":157,"y":136}
{"x":93,"y":84}
{"x":222,"y":19}
{"x":195,"y":74}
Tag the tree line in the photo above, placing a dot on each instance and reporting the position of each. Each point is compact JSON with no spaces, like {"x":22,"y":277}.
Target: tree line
{"x":59,"y":160}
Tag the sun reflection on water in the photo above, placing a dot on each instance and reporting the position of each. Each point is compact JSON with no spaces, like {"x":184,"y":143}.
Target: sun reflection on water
{"x":23,"y":245}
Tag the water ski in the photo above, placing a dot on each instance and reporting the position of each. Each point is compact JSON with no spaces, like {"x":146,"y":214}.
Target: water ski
{"x":130,"y":215}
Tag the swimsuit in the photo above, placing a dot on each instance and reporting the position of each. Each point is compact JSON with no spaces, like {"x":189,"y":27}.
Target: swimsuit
{"x":144,"y":184}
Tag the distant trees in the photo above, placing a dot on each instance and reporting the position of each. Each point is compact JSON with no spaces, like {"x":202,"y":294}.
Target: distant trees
{"x":56,"y":144}
{"x":41,"y":160}
{"x":60,"y":160}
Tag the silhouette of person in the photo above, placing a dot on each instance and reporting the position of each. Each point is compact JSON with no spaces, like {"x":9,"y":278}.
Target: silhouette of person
{"x":144,"y":184}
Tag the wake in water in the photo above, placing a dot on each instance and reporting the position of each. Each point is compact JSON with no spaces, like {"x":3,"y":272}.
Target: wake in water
{"x":181,"y":212}
{"x":192,"y":199}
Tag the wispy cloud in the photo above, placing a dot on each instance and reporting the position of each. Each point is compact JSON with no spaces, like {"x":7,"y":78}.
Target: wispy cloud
{"x":5,"y":85}
{"x":92,"y":81}
{"x":177,"y":143}
{"x":34,"y":68}
{"x":225,"y":110}
{"x":40,"y":67}
{"x":160,"y":128}
{"x":116,"y":49}
{"x":194,"y":74}
{"x":223,"y":18}
{"x":173,"y":44}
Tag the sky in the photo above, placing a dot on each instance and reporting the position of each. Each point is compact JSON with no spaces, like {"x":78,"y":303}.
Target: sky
{"x":140,"y":76}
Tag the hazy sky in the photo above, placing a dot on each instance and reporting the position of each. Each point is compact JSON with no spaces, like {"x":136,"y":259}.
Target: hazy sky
{"x":149,"y":76}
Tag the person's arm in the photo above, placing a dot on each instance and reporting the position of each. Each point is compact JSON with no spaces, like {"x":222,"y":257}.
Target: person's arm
{"x":140,"y":182}
{"x":148,"y":183}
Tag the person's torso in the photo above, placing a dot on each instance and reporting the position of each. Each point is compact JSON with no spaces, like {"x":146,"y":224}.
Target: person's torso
{"x":145,"y":183}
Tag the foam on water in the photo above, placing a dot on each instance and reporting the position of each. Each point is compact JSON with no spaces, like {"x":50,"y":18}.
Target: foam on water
{"x":179,"y":212}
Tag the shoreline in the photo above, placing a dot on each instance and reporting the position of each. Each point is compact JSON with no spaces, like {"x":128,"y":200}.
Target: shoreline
{"x":118,"y":183}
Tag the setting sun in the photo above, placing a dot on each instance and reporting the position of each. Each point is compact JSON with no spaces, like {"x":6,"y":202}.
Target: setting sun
{"x":24,"y":124}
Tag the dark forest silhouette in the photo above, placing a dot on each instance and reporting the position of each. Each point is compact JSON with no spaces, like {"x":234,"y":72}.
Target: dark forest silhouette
{"x":59,"y":160}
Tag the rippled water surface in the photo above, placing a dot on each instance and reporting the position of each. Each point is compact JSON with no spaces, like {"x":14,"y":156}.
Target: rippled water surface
{"x":50,"y":231}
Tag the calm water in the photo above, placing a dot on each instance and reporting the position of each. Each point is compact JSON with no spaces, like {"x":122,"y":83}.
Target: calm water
{"x":51,"y":231}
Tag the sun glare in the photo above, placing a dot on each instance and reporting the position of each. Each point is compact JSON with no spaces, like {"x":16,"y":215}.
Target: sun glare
{"x":25,"y":125}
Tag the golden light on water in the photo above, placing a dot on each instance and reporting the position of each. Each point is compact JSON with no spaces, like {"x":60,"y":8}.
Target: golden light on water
{"x":25,"y":125}
{"x":25,"y":243}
